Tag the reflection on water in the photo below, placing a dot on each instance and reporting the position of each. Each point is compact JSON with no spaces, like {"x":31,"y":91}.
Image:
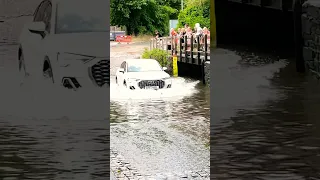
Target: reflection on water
{"x":277,"y":137}
{"x":162,"y":131}
{"x":50,"y":133}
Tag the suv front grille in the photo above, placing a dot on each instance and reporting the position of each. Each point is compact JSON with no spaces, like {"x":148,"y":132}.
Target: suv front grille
{"x":101,"y":72}
{"x":145,"y":83}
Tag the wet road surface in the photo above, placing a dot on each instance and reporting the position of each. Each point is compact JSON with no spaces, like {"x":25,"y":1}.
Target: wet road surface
{"x":265,"y":119}
{"x":163,"y":135}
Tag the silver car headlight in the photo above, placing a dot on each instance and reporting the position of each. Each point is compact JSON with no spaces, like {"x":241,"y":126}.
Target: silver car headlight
{"x":67,"y":58}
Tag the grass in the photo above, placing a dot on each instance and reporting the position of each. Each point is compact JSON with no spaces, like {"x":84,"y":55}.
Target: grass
{"x":207,"y":145}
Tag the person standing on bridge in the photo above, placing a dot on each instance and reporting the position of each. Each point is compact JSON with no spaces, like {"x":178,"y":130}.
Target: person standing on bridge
{"x":174,"y":39}
{"x":181,"y":35}
{"x":157,"y":37}
{"x":157,"y":34}
{"x":198,"y":32}
{"x":186,"y":26}
{"x":205,"y":32}
{"x":189,"y":34}
{"x":198,"y":29}
{"x":173,"y":33}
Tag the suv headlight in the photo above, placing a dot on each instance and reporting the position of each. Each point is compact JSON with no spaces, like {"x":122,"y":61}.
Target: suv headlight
{"x":168,"y":80}
{"x":65,"y":58}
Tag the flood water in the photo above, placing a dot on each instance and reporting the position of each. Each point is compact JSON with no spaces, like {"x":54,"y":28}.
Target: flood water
{"x":265,"y":121}
{"x":265,"y":125}
{"x":164,"y":132}
{"x":53,"y":133}
{"x":265,"y":118}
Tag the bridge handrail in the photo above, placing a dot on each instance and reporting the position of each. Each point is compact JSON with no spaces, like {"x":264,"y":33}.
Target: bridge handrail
{"x":184,"y":46}
{"x":163,"y":42}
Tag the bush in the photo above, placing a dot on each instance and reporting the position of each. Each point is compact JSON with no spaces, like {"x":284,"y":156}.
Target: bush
{"x":160,"y":55}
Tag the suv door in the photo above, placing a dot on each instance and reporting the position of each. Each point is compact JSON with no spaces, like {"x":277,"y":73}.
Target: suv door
{"x":47,"y":17}
{"x":34,"y":42}
{"x":120,"y":74}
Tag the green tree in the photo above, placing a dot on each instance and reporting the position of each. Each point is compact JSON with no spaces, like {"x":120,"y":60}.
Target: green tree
{"x":141,"y":16}
{"x":196,"y":11}
{"x":174,"y":4}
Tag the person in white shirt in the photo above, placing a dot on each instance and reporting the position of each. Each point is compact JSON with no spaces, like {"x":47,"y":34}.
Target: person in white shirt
{"x":198,"y":29}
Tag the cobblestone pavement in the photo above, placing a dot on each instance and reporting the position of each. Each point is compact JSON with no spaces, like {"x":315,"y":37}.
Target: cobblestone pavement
{"x":122,"y":170}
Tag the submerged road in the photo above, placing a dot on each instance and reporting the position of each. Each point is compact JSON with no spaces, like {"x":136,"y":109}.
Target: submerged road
{"x":158,"y":134}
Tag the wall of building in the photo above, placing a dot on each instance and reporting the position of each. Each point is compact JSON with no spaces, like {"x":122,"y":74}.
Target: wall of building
{"x":245,"y":25}
{"x":311,"y":35}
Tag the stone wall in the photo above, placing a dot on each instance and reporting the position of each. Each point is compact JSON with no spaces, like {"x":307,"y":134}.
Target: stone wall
{"x":311,"y":35}
{"x":207,"y":73}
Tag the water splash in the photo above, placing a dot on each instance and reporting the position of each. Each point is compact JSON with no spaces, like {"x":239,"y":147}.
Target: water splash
{"x":43,"y":100}
{"x":180,"y":88}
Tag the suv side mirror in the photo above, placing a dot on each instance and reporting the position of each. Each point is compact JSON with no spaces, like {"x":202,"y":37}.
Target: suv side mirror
{"x":121,"y":70}
{"x":37,"y":28}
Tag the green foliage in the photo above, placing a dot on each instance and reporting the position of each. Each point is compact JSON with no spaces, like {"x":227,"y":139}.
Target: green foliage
{"x":175,"y":6}
{"x":197,"y":11}
{"x":146,"y":16}
{"x":141,"y":16}
{"x":160,"y":55}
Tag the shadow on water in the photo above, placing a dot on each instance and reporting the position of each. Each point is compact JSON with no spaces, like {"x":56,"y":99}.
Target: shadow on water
{"x":266,"y":115}
{"x":46,"y":150}
{"x":272,"y":131}
{"x":50,"y":133}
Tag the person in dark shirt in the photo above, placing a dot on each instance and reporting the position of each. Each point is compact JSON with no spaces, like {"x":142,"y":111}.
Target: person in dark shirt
{"x":157,"y":34}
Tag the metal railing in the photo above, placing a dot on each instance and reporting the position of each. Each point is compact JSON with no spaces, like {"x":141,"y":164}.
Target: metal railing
{"x":189,"y":49}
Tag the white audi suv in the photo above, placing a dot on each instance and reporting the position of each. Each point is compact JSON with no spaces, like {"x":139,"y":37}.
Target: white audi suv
{"x":67,"y":44}
{"x":143,"y":74}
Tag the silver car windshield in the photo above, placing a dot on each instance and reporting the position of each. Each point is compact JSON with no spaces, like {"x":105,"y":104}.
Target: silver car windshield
{"x":144,"y":66}
{"x":76,"y":16}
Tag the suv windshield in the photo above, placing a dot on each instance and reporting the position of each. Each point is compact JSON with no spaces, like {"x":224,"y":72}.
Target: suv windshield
{"x":81,"y":16}
{"x":144,"y":65}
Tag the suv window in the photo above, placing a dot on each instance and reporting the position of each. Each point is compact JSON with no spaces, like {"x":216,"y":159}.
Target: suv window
{"x":125,"y":66}
{"x":38,"y":15}
{"x":122,"y":65}
{"x":47,"y":17}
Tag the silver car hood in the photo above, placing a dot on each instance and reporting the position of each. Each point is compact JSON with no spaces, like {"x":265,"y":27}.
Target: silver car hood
{"x":154,"y":75}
